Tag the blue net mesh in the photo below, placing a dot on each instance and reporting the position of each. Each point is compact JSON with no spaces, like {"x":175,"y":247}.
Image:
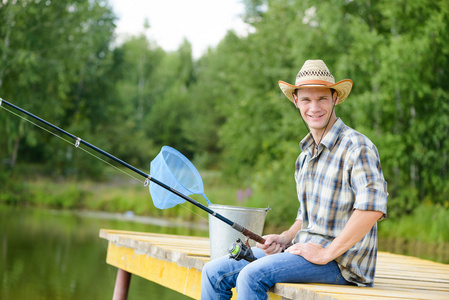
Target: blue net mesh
{"x":175,"y":170}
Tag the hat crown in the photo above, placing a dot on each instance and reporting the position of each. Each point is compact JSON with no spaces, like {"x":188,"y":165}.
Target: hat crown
{"x":314,"y":70}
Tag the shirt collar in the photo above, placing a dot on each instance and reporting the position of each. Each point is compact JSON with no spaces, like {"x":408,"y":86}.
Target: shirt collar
{"x":329,"y":139}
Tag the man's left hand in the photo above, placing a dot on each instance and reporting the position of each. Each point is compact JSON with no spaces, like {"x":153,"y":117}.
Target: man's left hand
{"x":315,"y":253}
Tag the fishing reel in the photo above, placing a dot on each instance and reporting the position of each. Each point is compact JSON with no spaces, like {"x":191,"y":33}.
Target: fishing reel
{"x":240,"y":250}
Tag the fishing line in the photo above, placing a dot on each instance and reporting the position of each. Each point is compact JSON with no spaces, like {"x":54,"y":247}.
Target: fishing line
{"x":69,"y":142}
{"x":199,"y":216}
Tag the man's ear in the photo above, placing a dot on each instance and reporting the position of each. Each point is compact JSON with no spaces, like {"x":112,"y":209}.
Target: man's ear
{"x":336,"y":98}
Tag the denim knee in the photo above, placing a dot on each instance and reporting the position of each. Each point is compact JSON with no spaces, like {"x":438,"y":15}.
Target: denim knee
{"x":252,"y":279}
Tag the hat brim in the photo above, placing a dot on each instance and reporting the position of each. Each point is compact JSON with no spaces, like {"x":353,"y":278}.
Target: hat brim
{"x":342,"y":87}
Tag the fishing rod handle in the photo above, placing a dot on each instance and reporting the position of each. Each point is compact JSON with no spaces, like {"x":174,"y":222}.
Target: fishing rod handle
{"x":248,"y":233}
{"x":253,"y":236}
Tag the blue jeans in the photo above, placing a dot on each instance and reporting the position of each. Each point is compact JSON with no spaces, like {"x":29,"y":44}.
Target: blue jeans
{"x":253,"y":280}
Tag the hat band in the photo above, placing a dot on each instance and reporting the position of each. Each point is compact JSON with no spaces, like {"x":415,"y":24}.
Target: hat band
{"x":315,"y":82}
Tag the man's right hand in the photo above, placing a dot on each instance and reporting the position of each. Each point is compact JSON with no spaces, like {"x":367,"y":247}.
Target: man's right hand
{"x":274,"y":243}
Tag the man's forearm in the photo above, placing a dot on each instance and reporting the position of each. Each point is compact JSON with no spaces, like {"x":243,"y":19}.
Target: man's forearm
{"x":359,"y":224}
{"x":290,"y":234}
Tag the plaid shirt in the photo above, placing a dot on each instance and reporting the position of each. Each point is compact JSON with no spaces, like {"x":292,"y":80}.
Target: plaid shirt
{"x":344,"y":175}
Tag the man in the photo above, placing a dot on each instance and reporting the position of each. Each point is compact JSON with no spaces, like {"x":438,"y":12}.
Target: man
{"x":342,"y":194}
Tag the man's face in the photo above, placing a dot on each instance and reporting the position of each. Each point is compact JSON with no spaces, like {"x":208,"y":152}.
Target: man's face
{"x":316,"y":105}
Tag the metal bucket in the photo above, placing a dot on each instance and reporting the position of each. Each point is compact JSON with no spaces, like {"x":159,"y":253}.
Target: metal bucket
{"x":222,"y":235}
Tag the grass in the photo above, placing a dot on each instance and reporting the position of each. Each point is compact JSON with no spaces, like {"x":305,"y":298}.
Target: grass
{"x":117,"y":194}
{"x":428,"y":224}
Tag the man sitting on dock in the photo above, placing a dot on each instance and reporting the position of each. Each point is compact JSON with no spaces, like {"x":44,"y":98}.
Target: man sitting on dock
{"x":342,"y":194}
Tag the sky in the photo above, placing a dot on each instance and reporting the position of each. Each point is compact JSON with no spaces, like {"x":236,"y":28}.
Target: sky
{"x":202,"y":22}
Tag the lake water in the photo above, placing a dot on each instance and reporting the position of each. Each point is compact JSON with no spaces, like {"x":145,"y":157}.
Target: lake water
{"x":54,"y":255}
{"x":47,"y":254}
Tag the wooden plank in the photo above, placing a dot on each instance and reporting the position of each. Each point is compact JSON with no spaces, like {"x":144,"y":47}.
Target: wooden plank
{"x":176,"y":262}
{"x":185,"y":244}
{"x":343,"y":292}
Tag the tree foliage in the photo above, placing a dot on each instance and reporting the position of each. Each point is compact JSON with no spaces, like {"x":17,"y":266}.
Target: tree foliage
{"x":54,"y":56}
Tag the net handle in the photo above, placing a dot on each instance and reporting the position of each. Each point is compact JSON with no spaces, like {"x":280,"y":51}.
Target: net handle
{"x":204,"y":195}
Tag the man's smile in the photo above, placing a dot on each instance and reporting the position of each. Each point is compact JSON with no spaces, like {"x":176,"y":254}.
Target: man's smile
{"x":316,"y":116}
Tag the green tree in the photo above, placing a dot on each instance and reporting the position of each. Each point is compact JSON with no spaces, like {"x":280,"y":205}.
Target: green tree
{"x":137,"y":91}
{"x":51,"y":53}
{"x":170,"y":112}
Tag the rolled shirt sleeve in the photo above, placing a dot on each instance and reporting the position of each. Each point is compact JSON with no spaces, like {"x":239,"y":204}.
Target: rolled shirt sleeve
{"x":367,"y":180}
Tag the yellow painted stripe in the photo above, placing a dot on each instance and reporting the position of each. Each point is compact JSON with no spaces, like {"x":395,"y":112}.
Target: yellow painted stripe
{"x":181,"y":279}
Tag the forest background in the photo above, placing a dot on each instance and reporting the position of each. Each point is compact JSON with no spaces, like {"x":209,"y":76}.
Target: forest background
{"x":61,"y":61}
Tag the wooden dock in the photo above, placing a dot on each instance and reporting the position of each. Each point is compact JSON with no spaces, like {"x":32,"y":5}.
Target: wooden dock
{"x":176,"y":261}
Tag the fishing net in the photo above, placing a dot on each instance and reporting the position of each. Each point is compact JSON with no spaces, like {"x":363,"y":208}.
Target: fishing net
{"x":175,"y":170}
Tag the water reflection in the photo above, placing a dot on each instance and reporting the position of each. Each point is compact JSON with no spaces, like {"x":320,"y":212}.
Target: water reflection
{"x":53,"y":255}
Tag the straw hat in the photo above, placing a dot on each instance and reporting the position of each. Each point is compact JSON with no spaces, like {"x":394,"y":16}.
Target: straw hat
{"x":314,"y":73}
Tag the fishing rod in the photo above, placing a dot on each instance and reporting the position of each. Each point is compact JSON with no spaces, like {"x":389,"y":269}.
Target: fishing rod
{"x":237,"y":250}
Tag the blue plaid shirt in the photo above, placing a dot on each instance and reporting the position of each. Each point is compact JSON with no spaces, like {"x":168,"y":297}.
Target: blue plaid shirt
{"x":345,"y":174}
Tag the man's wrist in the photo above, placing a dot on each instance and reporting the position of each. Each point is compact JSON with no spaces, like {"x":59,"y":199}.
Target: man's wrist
{"x":327,"y":257}
{"x":287,"y":237}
